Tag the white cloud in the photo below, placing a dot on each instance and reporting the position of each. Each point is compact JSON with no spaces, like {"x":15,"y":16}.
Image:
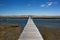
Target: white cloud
{"x":47,"y":4}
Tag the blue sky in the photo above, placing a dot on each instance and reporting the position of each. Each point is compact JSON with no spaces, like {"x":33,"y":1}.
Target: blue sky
{"x":30,"y":7}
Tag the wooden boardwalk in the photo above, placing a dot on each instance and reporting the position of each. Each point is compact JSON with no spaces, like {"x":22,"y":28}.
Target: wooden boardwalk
{"x":30,"y":32}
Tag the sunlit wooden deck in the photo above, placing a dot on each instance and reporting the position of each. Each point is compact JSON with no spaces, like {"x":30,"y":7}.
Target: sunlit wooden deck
{"x":30,"y":32}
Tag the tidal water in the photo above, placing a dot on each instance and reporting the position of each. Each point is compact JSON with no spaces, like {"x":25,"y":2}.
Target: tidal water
{"x":38,"y":22}
{"x":47,"y":22}
{"x":21,"y":22}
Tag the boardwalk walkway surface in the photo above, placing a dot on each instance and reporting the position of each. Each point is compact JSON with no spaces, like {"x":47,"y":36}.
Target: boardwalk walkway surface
{"x":30,"y":32}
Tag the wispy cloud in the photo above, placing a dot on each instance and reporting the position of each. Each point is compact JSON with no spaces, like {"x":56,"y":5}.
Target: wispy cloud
{"x":43,"y":5}
{"x":47,"y":4}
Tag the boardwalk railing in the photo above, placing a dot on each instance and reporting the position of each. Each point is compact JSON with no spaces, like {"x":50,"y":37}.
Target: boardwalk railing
{"x":30,"y":32}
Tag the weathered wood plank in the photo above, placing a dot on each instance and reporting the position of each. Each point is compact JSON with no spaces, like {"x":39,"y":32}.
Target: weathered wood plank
{"x":30,"y":32}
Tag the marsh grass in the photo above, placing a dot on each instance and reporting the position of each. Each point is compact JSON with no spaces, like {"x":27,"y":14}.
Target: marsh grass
{"x":50,"y":33}
{"x":10,"y":31}
{"x":13,"y":31}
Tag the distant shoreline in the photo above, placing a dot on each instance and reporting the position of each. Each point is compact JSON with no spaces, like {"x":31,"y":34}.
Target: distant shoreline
{"x":34,"y":17}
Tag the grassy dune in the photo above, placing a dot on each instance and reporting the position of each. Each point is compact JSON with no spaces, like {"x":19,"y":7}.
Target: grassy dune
{"x":50,"y":33}
{"x":9,"y":32}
